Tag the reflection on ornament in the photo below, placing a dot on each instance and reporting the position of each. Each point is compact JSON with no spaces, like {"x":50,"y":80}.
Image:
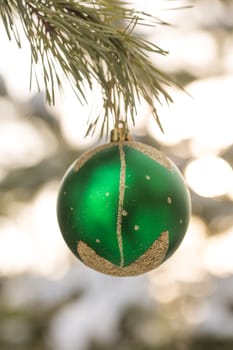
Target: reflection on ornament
{"x":123,"y":208}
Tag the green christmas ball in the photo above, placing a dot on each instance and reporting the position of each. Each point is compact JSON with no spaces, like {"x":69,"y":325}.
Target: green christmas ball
{"x":123,"y":208}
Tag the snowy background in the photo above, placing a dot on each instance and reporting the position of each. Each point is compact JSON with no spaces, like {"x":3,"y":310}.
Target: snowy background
{"x":48,"y":299}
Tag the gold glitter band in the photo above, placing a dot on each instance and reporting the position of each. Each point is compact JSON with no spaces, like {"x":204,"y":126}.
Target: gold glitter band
{"x":152,"y":258}
{"x":121,"y":202}
{"x":151,"y":152}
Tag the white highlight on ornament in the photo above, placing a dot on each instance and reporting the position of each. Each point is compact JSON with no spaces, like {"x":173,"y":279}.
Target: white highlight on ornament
{"x":124,"y":212}
{"x":147,"y":177}
{"x":136,"y":227}
{"x":97,"y":240}
{"x":107,"y":194}
{"x":209,"y":176}
{"x":169,"y":200}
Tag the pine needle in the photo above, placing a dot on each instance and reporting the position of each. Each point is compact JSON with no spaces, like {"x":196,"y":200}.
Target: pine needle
{"x":86,"y":41}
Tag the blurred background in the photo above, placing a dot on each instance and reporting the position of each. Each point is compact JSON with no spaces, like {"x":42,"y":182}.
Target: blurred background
{"x":48,"y":299}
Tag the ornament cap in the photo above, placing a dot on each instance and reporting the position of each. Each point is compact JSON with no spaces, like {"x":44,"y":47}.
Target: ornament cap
{"x":120,"y":132}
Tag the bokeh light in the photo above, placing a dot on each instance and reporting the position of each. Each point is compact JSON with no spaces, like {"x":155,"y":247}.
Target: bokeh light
{"x":49,"y":300}
{"x":209,"y":176}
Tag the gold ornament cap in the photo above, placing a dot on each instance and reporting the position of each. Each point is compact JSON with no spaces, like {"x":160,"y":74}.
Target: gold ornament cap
{"x":120,"y":132}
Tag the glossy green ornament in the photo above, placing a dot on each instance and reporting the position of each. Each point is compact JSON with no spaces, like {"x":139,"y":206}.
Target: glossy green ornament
{"x":123,"y":208}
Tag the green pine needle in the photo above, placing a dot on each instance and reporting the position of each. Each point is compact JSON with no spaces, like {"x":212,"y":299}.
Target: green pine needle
{"x":90,"y":40}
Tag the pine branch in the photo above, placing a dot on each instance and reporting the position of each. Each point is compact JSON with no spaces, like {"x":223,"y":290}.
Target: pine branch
{"x":86,"y":41}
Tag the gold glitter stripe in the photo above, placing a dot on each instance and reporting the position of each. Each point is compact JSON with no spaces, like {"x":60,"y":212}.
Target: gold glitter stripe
{"x":151,"y":152}
{"x":121,"y":202}
{"x":141,"y":147}
{"x":151,"y":259}
{"x":83,"y":159}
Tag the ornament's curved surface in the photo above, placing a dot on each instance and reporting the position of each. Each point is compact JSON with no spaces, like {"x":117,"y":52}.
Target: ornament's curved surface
{"x":123,"y":208}
{"x":151,"y":259}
